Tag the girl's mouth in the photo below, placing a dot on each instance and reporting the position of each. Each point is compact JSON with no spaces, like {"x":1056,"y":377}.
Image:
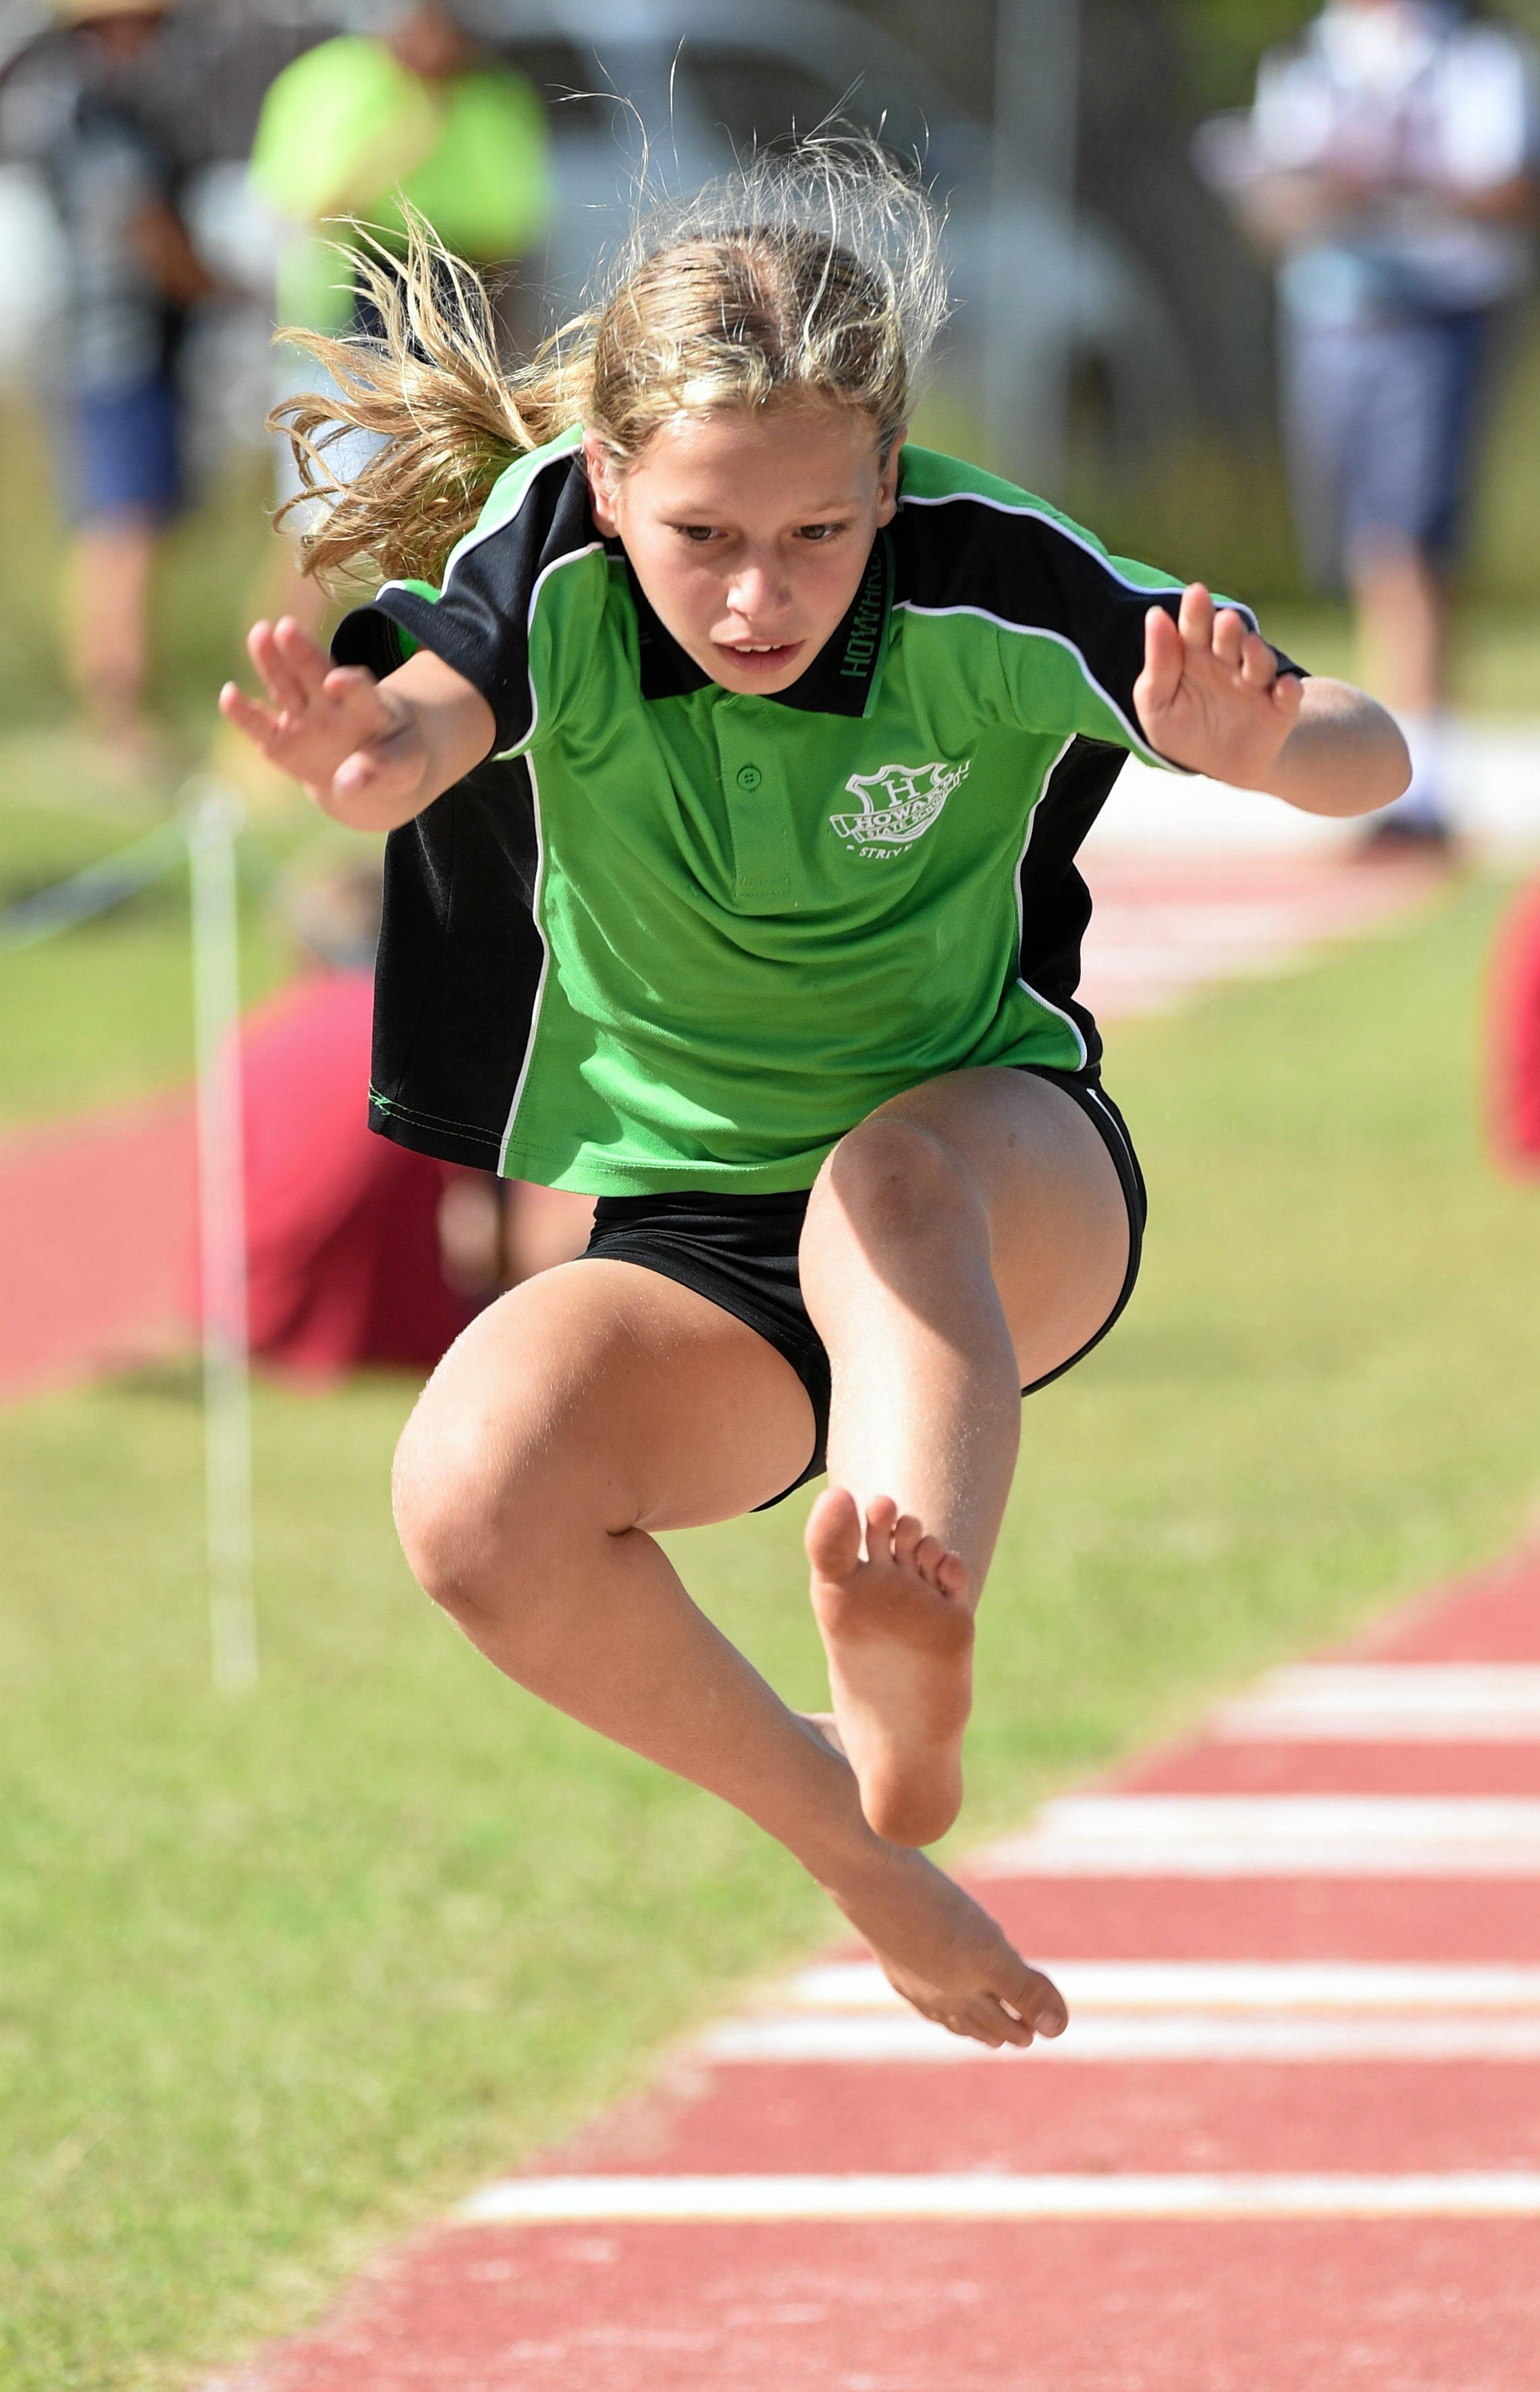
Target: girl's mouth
{"x":773,"y":657}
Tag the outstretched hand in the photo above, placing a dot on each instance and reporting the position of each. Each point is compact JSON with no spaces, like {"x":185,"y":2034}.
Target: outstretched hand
{"x":355,"y":749}
{"x":1210,"y":695}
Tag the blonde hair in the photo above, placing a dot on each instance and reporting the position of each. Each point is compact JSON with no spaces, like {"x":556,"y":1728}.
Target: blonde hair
{"x":814,"y":270}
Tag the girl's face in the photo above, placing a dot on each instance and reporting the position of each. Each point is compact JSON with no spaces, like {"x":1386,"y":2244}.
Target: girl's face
{"x":750,"y":530}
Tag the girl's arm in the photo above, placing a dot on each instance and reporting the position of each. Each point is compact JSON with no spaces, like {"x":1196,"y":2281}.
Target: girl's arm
{"x":370,"y":753}
{"x":1211,"y":697}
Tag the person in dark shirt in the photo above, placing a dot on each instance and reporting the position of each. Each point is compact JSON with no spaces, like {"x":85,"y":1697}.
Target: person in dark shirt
{"x":134,"y":276}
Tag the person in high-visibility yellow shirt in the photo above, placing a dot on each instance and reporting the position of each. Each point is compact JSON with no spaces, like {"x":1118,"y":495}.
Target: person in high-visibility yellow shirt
{"x":363,"y":127}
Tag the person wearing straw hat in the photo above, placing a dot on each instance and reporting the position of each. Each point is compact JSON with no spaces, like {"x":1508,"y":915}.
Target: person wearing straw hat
{"x":134,"y":274}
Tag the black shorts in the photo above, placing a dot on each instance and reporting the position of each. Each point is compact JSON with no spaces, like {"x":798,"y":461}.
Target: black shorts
{"x":741,"y":1253}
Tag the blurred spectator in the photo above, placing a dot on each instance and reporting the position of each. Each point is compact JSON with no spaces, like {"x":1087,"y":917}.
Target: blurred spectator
{"x":134,"y":276}
{"x":359,"y":1252}
{"x":1514,"y":1077}
{"x":360,"y":123}
{"x":1390,"y":160}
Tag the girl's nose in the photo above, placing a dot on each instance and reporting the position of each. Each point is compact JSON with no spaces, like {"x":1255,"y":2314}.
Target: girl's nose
{"x":756,"y":591}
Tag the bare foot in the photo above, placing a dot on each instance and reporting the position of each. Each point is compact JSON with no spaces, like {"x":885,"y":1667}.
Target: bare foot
{"x":944,"y":1955}
{"x":898,"y":1631}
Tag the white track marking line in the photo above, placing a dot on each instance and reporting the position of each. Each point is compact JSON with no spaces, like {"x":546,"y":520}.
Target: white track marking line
{"x":1270,"y":1835}
{"x":873,"y":2040}
{"x":1224,"y":1985}
{"x":570,"y":2200}
{"x":1365,"y":1702}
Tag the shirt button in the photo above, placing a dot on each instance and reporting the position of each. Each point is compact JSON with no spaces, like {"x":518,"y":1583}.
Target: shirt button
{"x":749,"y":776}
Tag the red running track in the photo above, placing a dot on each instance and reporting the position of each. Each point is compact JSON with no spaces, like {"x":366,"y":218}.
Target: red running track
{"x":1434,"y":2301}
{"x":97,"y":1222}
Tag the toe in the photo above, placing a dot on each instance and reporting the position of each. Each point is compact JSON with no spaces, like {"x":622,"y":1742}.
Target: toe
{"x":1011,"y":2029}
{"x":982,"y":2020}
{"x":833,"y":1536}
{"x":881,"y":1519}
{"x":952,"y":1576}
{"x":907,"y":1535}
{"x":929,"y":1555}
{"x":1036,"y":2000}
{"x":946,"y":1571}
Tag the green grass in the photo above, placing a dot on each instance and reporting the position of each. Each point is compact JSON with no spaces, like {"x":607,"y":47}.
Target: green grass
{"x":277,"y":1979}
{"x":102,"y":1012}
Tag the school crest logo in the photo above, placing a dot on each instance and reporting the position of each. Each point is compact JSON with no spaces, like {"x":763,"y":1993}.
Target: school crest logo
{"x":897,"y":804}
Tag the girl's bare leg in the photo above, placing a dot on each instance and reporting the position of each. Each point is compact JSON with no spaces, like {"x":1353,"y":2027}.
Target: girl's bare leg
{"x":591,"y":1405}
{"x":963,"y":1241}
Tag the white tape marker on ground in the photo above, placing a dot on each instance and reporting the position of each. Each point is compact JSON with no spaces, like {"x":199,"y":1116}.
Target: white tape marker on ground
{"x":1270,"y":1835}
{"x":1407,"y":1703}
{"x":871,"y":2039}
{"x":1224,"y":1985}
{"x":570,"y":2200}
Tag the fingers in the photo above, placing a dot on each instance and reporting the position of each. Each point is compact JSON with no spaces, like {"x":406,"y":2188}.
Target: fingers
{"x":1165,"y":656}
{"x":1259,"y":665}
{"x":258,"y":721}
{"x":1224,"y":632}
{"x":359,"y":773}
{"x":279,"y":670}
{"x":1230,"y":638}
{"x":1195,"y":617}
{"x":309,"y":662}
{"x":344,"y":682}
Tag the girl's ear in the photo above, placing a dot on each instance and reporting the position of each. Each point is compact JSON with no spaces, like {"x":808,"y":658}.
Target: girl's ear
{"x":887,"y":482}
{"x":600,"y":470}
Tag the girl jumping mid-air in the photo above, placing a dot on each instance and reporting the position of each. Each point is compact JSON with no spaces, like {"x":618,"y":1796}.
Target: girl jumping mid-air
{"x":735,"y":770}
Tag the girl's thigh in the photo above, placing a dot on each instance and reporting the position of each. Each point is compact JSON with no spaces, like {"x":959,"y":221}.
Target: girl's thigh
{"x":1057,"y":1229}
{"x":610,"y":1391}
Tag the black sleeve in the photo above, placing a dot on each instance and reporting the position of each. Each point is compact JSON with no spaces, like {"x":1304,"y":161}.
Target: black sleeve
{"x":480,"y":624}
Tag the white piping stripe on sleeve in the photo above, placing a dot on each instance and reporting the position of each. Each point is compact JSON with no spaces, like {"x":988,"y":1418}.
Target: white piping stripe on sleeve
{"x":573,"y":557}
{"x":541,"y":579}
{"x":1021,"y":926}
{"x":1040,"y":632}
{"x":1077,"y":540}
{"x":488,"y":531}
{"x":474,"y":538}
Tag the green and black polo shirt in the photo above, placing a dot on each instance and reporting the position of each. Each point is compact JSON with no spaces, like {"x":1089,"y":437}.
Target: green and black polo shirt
{"x":672,"y":938}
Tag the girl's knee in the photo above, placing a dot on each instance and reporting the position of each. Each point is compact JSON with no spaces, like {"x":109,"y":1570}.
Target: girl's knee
{"x":451,"y":1512}
{"x":487,"y":1518}
{"x":893,"y":1180}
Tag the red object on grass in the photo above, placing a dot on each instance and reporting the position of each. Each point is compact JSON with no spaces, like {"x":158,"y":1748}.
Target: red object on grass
{"x":342,"y":1226}
{"x":1515,"y":1065}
